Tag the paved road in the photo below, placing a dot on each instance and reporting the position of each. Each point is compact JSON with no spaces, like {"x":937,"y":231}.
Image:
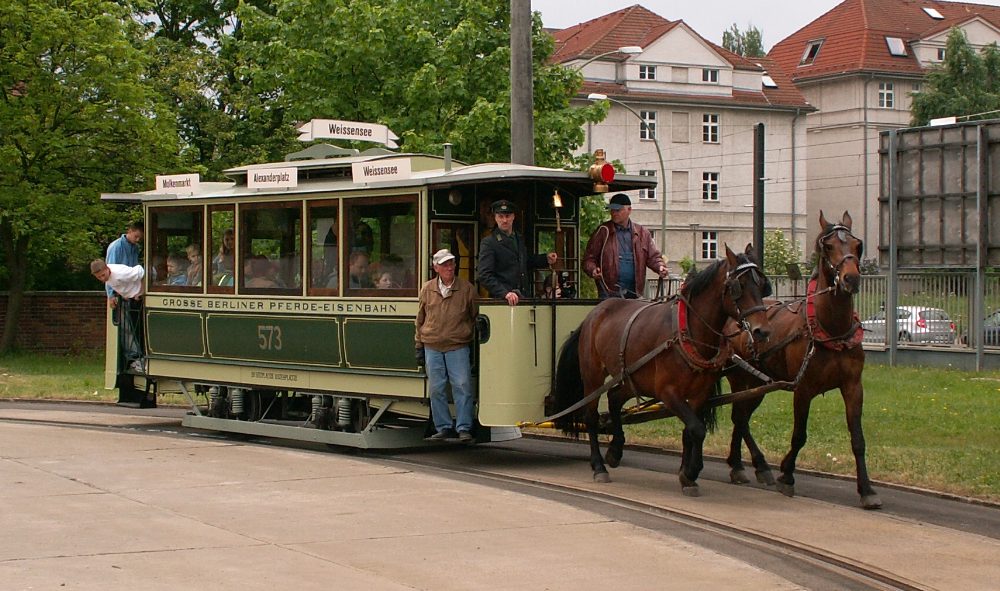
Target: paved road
{"x":118,"y":509}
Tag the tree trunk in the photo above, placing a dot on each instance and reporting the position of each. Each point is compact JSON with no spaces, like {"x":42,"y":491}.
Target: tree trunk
{"x":16,"y":256}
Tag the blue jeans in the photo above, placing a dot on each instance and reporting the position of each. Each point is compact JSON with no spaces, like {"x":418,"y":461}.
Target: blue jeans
{"x":454,"y":367}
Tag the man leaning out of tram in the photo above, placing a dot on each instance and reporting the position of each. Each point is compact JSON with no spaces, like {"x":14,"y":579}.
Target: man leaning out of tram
{"x":446,"y":318}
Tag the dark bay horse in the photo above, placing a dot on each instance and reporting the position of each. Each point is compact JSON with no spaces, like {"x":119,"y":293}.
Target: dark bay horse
{"x":671,"y":351}
{"x":819,"y":341}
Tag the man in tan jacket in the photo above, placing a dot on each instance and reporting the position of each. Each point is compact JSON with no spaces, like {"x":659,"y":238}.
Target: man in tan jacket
{"x":446,"y":319}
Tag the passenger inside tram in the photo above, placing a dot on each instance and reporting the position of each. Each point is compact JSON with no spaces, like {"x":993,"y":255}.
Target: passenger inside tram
{"x":257,"y":273}
{"x":177,"y":267}
{"x":194,"y":270}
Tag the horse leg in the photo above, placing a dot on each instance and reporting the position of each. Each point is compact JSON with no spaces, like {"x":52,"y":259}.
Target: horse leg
{"x":693,"y":438}
{"x":617,"y":445}
{"x":801,"y":402}
{"x":761,"y":468}
{"x":596,"y":463}
{"x":853,"y":394}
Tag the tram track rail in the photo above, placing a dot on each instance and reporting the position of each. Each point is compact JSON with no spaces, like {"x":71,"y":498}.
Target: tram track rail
{"x":797,"y":560}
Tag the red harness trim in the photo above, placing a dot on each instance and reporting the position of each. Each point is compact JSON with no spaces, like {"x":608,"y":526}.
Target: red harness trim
{"x":849,"y":341}
{"x":689,"y":351}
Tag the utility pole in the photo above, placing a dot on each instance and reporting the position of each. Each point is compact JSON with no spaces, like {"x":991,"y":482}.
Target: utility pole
{"x":758,"y":191}
{"x":522,"y":118}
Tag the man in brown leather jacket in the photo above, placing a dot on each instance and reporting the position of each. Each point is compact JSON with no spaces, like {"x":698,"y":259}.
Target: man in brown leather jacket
{"x":620,"y":251}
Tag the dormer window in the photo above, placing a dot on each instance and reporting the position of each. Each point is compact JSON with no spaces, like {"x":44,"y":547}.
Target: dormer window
{"x":710,"y":75}
{"x":933,"y":13}
{"x":941,"y":54}
{"x":896,"y":46}
{"x":812,"y":50}
{"x":647,"y":72}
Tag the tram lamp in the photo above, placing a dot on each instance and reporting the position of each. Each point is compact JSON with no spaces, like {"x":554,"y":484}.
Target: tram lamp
{"x":557,"y":205}
{"x":602,"y":172}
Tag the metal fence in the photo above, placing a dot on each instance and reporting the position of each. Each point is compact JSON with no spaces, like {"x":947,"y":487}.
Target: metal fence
{"x":950,"y":291}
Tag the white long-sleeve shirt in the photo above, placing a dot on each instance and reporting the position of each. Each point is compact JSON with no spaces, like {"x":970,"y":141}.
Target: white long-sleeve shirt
{"x":125,"y":280}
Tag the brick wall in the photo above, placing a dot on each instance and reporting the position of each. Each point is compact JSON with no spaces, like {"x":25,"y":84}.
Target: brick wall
{"x":59,"y":321}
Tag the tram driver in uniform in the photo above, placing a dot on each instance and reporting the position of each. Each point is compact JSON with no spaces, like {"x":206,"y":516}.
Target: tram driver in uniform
{"x":504,"y":263}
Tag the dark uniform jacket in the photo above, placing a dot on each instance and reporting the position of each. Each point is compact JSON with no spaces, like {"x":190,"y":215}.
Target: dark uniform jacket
{"x":504,"y":264}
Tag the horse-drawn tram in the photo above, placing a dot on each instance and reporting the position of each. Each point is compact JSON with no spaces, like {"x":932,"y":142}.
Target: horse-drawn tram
{"x":282,"y":303}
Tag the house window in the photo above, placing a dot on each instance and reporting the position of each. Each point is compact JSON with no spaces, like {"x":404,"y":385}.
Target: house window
{"x":941,"y":54}
{"x":768,"y":82}
{"x":933,"y":13}
{"x":886,"y":95}
{"x":710,"y":128}
{"x":647,"y":193}
{"x":812,"y":50}
{"x":710,"y":75}
{"x":710,"y":186}
{"x":709,"y":246}
{"x":647,"y":131}
{"x":917,"y":87}
{"x":896,"y":46}
{"x":647,"y":72}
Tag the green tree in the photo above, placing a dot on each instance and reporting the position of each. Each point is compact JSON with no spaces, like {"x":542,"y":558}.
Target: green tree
{"x":747,"y":43}
{"x":779,"y":252}
{"x":434,"y":72}
{"x":78,"y":118}
{"x":966,"y":83}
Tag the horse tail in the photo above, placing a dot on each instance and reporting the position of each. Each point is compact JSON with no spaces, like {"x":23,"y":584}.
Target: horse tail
{"x":568,"y":387}
{"x":707,"y":414}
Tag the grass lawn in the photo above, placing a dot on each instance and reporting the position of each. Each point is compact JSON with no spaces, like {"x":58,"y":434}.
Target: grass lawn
{"x":933,"y":428}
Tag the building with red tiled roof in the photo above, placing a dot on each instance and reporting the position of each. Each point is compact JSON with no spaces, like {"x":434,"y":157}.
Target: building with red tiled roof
{"x":694,"y":104}
{"x":859,"y":65}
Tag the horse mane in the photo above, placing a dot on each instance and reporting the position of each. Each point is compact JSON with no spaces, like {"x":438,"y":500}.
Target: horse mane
{"x":698,"y":281}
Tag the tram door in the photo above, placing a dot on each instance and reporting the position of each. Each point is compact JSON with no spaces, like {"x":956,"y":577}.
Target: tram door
{"x":516,"y":362}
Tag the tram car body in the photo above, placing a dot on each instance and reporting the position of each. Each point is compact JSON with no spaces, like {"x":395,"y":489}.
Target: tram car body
{"x":275,"y":336}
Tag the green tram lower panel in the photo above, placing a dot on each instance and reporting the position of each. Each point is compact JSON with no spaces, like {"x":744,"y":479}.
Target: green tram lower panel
{"x":334,"y":342}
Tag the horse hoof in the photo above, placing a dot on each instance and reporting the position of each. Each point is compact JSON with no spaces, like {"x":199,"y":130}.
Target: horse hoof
{"x":871,"y":502}
{"x":765,"y":477}
{"x":786,"y":489}
{"x":738,"y":476}
{"x":691,"y":491}
{"x":602,"y":477}
{"x":612,"y":460}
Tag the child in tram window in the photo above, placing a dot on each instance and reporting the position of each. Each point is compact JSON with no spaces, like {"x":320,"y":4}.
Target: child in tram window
{"x":177,"y":267}
{"x":384,"y":280}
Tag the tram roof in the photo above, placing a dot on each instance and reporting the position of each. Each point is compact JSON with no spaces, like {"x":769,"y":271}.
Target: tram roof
{"x":327,"y":175}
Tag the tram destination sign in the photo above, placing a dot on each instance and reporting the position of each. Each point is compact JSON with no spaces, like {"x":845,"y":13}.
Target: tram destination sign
{"x":177,"y":184}
{"x":347,"y":130}
{"x":272,"y":178}
{"x":393,"y":169}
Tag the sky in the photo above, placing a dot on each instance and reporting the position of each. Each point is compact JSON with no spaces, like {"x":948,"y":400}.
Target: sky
{"x":776,"y":19}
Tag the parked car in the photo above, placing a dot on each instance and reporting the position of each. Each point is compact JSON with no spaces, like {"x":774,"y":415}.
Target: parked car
{"x":991,"y":330}
{"x":915,"y":324}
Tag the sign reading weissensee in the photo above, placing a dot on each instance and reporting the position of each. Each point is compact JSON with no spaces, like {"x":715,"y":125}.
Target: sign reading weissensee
{"x":393,"y":169}
{"x":348,"y":130}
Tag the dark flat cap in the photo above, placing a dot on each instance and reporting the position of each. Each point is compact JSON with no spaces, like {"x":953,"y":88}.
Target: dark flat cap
{"x":618,"y":201}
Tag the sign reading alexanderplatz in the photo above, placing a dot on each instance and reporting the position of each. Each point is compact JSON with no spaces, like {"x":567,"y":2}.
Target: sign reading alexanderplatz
{"x":348,"y":130}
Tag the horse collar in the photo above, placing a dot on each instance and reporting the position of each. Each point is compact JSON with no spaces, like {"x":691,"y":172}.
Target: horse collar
{"x":852,"y":338}
{"x":689,"y":351}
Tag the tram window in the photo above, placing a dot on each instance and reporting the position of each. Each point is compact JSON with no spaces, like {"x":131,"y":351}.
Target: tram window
{"x":270,"y":240}
{"x":564,"y":243}
{"x":381,"y":246}
{"x":459,"y":238}
{"x":324,"y":249}
{"x":222,"y":249}
{"x":174,"y":238}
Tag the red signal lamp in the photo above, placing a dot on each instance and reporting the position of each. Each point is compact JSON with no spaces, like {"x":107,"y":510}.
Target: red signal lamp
{"x":601,"y":172}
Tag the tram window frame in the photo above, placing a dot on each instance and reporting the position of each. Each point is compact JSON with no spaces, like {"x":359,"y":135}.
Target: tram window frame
{"x":570,"y":258}
{"x":153,"y":233}
{"x":443,"y":236}
{"x":213,"y":286}
{"x":244,"y":248}
{"x":338,"y":229}
{"x":352,"y":213}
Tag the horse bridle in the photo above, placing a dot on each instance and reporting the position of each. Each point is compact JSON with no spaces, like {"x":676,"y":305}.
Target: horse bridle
{"x":735,"y":290}
{"x":843,"y":233}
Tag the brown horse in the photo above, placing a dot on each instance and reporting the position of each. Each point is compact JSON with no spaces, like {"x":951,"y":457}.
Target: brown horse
{"x":819,"y":343}
{"x":672,"y":351}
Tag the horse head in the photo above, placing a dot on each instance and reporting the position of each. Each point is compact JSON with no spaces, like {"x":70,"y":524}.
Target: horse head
{"x":839,"y":254}
{"x":746,"y":288}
